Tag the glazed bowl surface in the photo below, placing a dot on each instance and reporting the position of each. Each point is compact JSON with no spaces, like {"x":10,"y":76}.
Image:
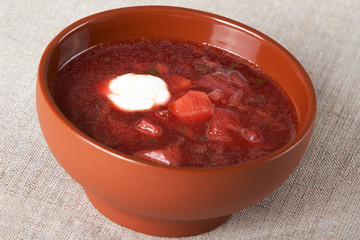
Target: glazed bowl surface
{"x":157,"y":199}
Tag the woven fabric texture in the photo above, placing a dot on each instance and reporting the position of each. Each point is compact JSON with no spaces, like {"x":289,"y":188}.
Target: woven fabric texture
{"x":320,"y":200}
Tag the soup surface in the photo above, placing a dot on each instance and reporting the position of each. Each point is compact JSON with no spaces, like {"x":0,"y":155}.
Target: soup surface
{"x":221,"y":111}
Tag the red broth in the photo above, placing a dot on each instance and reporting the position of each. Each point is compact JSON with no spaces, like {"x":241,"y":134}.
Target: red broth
{"x":223,"y":110}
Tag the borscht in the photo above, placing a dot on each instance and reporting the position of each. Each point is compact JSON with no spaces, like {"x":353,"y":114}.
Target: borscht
{"x":175,"y":103}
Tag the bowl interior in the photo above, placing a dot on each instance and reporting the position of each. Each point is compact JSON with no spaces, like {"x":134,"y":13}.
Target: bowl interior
{"x":188,"y":25}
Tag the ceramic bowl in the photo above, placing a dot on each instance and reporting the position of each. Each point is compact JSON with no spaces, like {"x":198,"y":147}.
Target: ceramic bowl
{"x":164,"y":200}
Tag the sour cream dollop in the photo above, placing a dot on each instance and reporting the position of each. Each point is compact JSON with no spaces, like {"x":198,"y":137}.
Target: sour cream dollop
{"x":138,"y":92}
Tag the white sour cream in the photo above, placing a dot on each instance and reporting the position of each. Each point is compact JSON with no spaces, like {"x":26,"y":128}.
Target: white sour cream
{"x":137,"y":92}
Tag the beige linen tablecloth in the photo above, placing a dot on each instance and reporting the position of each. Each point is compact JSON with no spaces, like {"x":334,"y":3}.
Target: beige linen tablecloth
{"x":320,"y":200}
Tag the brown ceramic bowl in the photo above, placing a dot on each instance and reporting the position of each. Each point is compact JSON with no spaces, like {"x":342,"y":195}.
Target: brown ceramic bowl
{"x":156,"y":199}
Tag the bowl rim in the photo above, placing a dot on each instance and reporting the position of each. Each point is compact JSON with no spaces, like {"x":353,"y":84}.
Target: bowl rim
{"x":43,"y":87}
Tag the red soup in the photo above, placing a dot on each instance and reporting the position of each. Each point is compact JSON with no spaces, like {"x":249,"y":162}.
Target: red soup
{"x":220,"y":109}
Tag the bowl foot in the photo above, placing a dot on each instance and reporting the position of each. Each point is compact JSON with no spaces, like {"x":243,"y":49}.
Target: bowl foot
{"x":153,"y":226}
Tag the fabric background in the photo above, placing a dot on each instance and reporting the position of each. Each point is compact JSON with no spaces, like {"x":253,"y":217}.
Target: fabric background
{"x":320,"y":200}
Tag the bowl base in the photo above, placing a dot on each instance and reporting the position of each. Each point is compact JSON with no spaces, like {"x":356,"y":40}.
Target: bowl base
{"x":153,"y":226}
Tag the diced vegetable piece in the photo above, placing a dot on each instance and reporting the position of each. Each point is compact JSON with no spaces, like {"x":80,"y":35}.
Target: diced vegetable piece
{"x":161,"y":68}
{"x":216,"y":96}
{"x":179,"y":83}
{"x":147,"y":127}
{"x":225,"y":118}
{"x":250,"y":135}
{"x":222,"y":121}
{"x":168,"y":156}
{"x":193,"y":106}
{"x":164,"y":114}
{"x":218,"y":133}
{"x":161,"y":156}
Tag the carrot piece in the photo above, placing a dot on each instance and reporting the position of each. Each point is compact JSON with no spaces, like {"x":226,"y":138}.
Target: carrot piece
{"x":193,"y":106}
